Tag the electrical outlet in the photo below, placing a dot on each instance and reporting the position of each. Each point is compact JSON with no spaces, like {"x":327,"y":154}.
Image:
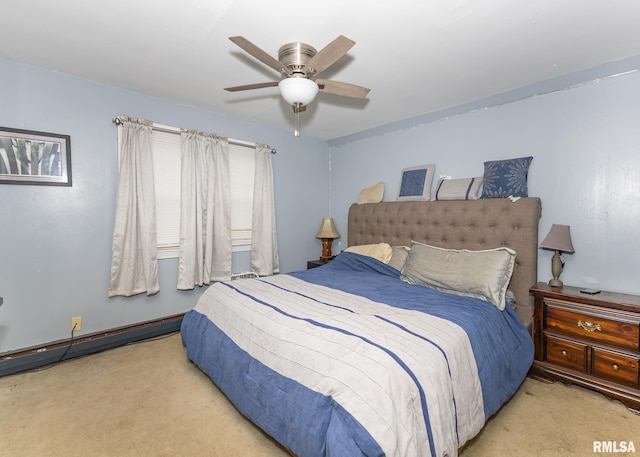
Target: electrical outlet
{"x":76,"y":323}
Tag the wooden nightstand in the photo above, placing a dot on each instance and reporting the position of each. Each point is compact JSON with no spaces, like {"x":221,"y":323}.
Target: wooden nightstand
{"x":316,"y":263}
{"x":588,"y":340}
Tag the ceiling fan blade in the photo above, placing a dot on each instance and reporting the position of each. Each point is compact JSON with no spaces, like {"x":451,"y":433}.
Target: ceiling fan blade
{"x":251,"y":86}
{"x":259,"y":54}
{"x":340,"y":88}
{"x":328,"y":55}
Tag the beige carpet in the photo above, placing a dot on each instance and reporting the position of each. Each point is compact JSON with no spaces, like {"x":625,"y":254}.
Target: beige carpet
{"x":146,"y":399}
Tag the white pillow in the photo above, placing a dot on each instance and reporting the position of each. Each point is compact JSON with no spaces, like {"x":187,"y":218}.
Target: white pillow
{"x":482,"y":274}
{"x":458,"y":189}
{"x":372,"y":194}
{"x":380,"y":251}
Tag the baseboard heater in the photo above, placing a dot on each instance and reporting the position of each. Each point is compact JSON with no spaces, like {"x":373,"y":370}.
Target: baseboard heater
{"x":38,"y":357}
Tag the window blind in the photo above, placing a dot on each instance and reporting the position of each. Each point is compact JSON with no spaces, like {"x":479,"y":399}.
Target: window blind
{"x":166,"y":167}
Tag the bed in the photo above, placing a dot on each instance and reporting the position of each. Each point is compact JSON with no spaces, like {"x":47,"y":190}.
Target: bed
{"x":358,"y":358}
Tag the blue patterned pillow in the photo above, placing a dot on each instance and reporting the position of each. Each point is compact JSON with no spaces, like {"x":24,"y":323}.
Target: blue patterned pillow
{"x":504,"y":178}
{"x":416,"y":182}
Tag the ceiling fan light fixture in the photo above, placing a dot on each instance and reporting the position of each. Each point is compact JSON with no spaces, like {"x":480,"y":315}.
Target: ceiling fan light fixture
{"x":298,"y":90}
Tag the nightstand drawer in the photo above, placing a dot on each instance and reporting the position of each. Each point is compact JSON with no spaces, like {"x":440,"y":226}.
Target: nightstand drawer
{"x":565,"y":353}
{"x":608,"y":329}
{"x":615,"y":367}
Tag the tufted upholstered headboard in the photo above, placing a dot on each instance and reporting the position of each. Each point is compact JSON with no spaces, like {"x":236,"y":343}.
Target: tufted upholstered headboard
{"x":459,"y":224}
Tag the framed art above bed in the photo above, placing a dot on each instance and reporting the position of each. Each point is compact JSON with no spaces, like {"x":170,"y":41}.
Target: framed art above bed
{"x":415,"y":182}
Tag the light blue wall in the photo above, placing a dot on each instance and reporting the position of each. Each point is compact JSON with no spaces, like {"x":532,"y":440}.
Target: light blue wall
{"x":585,"y":140}
{"x":55,"y":242}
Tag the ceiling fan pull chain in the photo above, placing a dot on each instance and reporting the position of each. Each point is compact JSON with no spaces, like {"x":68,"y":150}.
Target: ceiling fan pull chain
{"x":296,"y":130}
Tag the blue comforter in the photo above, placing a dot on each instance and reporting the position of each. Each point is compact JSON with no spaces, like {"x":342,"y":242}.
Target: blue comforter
{"x":312,"y":356}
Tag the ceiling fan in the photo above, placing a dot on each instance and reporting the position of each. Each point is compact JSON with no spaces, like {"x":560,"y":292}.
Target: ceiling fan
{"x":300,"y":64}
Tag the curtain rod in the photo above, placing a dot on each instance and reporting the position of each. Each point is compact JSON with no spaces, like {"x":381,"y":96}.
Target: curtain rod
{"x":170,"y":129}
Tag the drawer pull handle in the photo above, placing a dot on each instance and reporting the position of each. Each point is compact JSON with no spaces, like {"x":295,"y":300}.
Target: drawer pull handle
{"x":564,"y":353}
{"x":615,"y":367}
{"x":589,"y":326}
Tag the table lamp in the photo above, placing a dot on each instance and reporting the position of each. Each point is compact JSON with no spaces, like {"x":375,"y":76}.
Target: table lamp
{"x":558,"y":239}
{"x":327,"y":233}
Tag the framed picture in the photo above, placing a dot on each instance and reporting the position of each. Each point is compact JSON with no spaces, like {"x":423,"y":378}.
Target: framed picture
{"x":416,"y":182}
{"x":28,"y":157}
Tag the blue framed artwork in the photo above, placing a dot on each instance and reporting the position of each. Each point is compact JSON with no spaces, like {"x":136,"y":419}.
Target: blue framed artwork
{"x":415,"y":183}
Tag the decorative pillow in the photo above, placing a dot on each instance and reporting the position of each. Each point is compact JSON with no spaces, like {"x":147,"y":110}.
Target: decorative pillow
{"x":380,"y":251}
{"x":415,"y":183}
{"x":398,"y":257}
{"x":458,"y":189}
{"x":482,"y":274}
{"x":504,"y":178}
{"x":371,"y":194}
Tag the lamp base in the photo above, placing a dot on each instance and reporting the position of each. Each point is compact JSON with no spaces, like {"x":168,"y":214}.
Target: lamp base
{"x":556,"y":268}
{"x":555,"y":283}
{"x":326,"y":249}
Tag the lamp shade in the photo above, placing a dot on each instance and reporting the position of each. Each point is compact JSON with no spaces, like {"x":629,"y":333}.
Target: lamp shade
{"x":558,"y":239}
{"x":328,"y":229}
{"x":298,"y":90}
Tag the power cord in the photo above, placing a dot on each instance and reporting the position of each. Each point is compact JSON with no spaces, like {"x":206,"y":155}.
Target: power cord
{"x":73,"y":329}
{"x":46,"y":367}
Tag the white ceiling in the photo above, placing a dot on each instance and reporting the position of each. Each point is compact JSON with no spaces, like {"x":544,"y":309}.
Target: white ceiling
{"x":416,"y":56}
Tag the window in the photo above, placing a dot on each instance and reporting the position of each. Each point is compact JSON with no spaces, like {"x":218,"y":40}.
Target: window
{"x":166,"y":168}
{"x":166,"y":172}
{"x":242,"y":162}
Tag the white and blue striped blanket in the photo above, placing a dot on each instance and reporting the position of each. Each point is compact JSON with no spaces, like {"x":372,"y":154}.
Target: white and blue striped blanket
{"x":347,"y":360}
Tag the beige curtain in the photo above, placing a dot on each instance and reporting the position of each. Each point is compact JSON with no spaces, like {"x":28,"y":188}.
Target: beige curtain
{"x":264,"y":244}
{"x":134,"y":264}
{"x":205,"y":210}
